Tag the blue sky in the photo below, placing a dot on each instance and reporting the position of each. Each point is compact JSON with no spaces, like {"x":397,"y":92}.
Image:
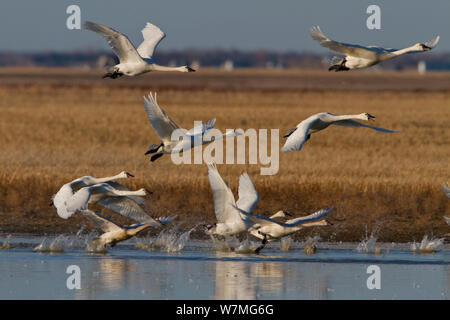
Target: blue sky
{"x":240,"y":24}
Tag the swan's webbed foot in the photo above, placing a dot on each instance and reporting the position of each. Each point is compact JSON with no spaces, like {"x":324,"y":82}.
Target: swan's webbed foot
{"x":112,"y":75}
{"x":338,"y":67}
{"x":153,"y":148}
{"x":156,"y":156}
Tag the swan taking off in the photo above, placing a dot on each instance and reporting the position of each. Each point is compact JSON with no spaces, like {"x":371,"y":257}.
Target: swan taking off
{"x":113,"y":199}
{"x":269,"y":229}
{"x":60,"y":199}
{"x":165,"y":127}
{"x":300,"y":134}
{"x":114,"y":232}
{"x":133,"y":61}
{"x":358,"y":57}
{"x":230,"y":220}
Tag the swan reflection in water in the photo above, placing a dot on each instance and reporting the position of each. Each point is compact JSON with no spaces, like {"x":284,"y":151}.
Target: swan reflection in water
{"x":236,"y":280}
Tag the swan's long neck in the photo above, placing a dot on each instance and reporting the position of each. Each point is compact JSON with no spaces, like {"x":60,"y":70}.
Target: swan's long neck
{"x":396,"y":53}
{"x":140,"y":192}
{"x":156,"y":67}
{"x":315,"y":223}
{"x":106,"y":179}
{"x":132,"y":232}
{"x":349,"y":116}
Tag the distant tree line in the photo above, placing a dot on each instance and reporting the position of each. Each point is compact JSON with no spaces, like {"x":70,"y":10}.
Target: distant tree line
{"x":213,"y":58}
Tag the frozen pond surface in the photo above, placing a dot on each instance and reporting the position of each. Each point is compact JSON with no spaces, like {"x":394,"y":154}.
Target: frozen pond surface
{"x":335,"y":271}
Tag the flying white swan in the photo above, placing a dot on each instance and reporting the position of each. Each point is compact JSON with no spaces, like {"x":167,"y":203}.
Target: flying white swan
{"x":269,"y":229}
{"x":358,"y":57}
{"x":133,"y":61}
{"x":300,"y":134}
{"x":165,"y":128}
{"x":230,"y":221}
{"x":113,"y":199}
{"x":67,"y":190}
{"x":114,"y":232}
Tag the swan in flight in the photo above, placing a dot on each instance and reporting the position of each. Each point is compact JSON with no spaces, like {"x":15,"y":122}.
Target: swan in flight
{"x":133,"y":61}
{"x":124,"y":202}
{"x":358,"y":57}
{"x":67,"y":190}
{"x":114,"y":232}
{"x":165,"y":128}
{"x":269,"y":228}
{"x":300,"y":134}
{"x":230,"y":221}
{"x":104,"y":194}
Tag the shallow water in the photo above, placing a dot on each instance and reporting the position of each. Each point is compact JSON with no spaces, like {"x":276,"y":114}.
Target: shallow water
{"x":198,"y":271}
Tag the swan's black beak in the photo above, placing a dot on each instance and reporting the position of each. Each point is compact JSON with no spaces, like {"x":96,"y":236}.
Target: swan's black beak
{"x":287,"y":213}
{"x":329,"y":223}
{"x":129,"y":175}
{"x":148,"y":192}
{"x":371,"y":117}
{"x":425,"y":48}
{"x":51,"y":204}
{"x":189,"y":69}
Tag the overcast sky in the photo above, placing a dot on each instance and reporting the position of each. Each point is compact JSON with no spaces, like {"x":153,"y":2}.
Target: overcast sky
{"x":27,"y":25}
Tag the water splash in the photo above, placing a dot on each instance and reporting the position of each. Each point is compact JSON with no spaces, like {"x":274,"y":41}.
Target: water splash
{"x":6,"y":245}
{"x":367,"y":245}
{"x":310,"y":245}
{"x":427,"y":246}
{"x":94,"y":246}
{"x":246,"y":246}
{"x":168,"y":241}
{"x":55,"y":245}
{"x":285,"y":243}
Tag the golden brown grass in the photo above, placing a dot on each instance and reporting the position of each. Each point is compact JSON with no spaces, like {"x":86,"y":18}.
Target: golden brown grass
{"x":52,"y":133}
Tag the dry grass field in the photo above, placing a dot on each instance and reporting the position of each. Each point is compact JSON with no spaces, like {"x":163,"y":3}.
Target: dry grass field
{"x":56,"y":125}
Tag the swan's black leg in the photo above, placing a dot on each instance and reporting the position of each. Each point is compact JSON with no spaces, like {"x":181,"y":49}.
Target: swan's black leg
{"x":156,"y":156}
{"x":263,"y":244}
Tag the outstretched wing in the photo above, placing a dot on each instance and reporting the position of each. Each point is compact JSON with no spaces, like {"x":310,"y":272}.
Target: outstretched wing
{"x":355,"y":124}
{"x":129,"y":208}
{"x":262,"y":220}
{"x":159,"y":120}
{"x":343,"y":48}
{"x":222,"y":196}
{"x":318,"y":215}
{"x":296,"y":140}
{"x":152,"y":37}
{"x":248,"y":196}
{"x":119,"y":43}
{"x":100,"y":221}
